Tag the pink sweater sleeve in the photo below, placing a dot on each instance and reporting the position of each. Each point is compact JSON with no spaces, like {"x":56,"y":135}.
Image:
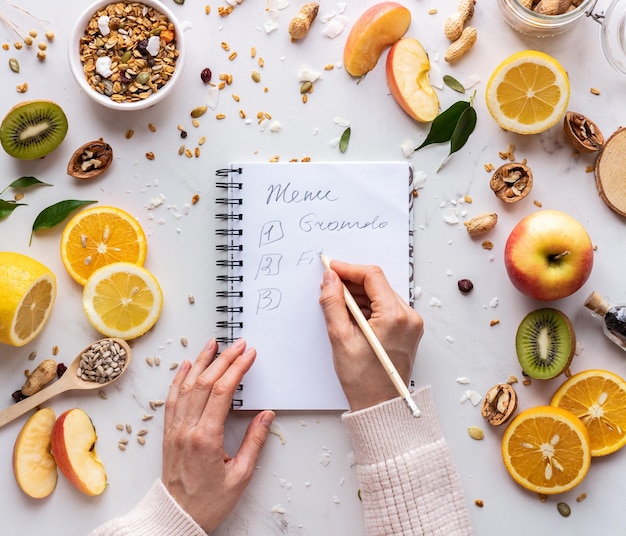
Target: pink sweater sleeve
{"x":156,"y":514}
{"x":409,"y":483}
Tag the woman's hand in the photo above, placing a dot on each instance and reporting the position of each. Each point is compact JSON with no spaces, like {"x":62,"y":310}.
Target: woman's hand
{"x":201,"y":476}
{"x":398,"y":327}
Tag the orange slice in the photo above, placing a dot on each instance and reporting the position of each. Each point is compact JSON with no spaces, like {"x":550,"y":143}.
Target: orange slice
{"x":528,"y":92}
{"x":98,"y":236}
{"x":598,"y":399}
{"x":122,"y":300}
{"x":546,"y":450}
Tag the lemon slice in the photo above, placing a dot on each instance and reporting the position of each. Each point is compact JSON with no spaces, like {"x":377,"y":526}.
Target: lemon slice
{"x":27,"y":293}
{"x":98,"y":236}
{"x":528,"y":92}
{"x":122,"y":300}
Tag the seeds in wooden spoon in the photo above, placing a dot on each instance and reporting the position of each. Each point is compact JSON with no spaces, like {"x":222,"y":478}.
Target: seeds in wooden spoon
{"x":102,"y":361}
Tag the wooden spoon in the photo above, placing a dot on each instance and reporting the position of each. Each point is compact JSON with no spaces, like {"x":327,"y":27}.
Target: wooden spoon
{"x":69,"y":381}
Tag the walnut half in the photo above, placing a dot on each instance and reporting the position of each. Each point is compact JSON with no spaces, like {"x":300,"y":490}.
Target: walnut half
{"x":511,"y":182}
{"x":499,"y":404}
{"x":582,"y":133}
{"x":90,"y":160}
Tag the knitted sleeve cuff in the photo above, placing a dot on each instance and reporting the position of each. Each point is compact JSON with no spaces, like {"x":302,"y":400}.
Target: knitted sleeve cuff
{"x":155,"y":515}
{"x":389,"y":429}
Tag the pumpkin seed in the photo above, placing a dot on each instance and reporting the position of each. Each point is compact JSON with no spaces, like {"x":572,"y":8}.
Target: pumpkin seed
{"x":564,"y":509}
{"x":306,"y":87}
{"x":126,"y":57}
{"x":475,"y":432}
{"x":14,"y":65}
{"x":143,"y":77}
{"x":198,"y":111}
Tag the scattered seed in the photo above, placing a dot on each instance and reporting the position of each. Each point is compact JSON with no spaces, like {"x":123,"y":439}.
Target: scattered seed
{"x":123,"y":441}
{"x":103,"y":395}
{"x":563,"y":509}
{"x":434,"y":12}
{"x":261,"y":62}
{"x":151,"y":127}
{"x":512,"y":379}
{"x":28,"y":40}
{"x":119,"y":426}
{"x":201,"y":140}
{"x":256,"y":76}
{"x":181,"y":150}
{"x":129,"y":428}
{"x":195,"y":198}
{"x":306,"y":87}
{"x":198,"y":111}
{"x":142,"y":432}
{"x":225,"y":46}
{"x":41,"y":56}
{"x":184,"y":342}
{"x":174,"y":365}
{"x":191,"y":299}
{"x":589,"y":169}
{"x":33,"y":33}
{"x":55,"y":350}
{"x":220,"y":116}
{"x":32,"y":356}
{"x":487,"y":244}
{"x":141,"y":440}
{"x":232,"y":56}
{"x":121,"y":446}
{"x":581,"y":497}
{"x":146,"y":417}
{"x":195,"y":123}
{"x":196,"y":152}
{"x":476,"y":432}
{"x":526,"y":382}
{"x":150,"y":361}
{"x":17,"y":45}
{"x":242,"y":114}
{"x":543,"y":497}
{"x":42,"y":46}
{"x":14,"y":65}
{"x":275,"y":158}
{"x":329,"y":67}
{"x":207,"y":9}
{"x":236,"y":97}
{"x":22,"y":88}
{"x":50,"y":35}
{"x":253,"y":52}
{"x":467,"y":198}
{"x":594,"y":91}
{"x":494,"y":322}
{"x":537,"y":203}
{"x":157,"y":361}
{"x":129,"y":134}
{"x":489,"y":167}
{"x":479,"y":503}
{"x":150,"y":155}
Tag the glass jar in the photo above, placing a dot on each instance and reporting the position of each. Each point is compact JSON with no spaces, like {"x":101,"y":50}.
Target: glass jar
{"x":613,"y":35}
{"x":528,"y":22}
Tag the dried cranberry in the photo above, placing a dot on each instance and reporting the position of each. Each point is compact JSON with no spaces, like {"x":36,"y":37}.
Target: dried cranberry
{"x":205,"y":75}
{"x":61,"y":368}
{"x":18,"y":396}
{"x":183,"y":134}
{"x":465,"y":285}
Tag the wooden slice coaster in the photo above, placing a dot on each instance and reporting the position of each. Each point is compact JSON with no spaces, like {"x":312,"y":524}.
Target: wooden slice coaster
{"x":610,"y":172}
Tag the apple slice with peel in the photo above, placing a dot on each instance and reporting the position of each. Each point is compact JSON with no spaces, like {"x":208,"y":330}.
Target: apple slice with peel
{"x":33,"y":464}
{"x":377,"y":28}
{"x":74,"y":449}
{"x":407,"y":77}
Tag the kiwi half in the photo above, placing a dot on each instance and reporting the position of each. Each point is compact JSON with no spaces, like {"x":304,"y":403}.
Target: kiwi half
{"x":545,"y":343}
{"x":33,"y":129}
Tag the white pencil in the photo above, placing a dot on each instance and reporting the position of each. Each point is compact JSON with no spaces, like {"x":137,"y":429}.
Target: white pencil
{"x":380,"y":352}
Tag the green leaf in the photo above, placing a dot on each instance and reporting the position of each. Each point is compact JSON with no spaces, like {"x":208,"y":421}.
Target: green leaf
{"x":443,"y":126}
{"x":453,"y":83}
{"x":464,"y":128}
{"x":345,"y":140}
{"x":55,"y":214}
{"x":7,"y":207}
{"x":26,"y":182}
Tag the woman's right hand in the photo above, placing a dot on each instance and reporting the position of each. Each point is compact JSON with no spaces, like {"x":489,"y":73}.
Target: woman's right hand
{"x":398,"y":327}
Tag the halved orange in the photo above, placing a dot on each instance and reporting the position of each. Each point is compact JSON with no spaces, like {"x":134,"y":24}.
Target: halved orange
{"x":598,"y":399}
{"x":546,"y":450}
{"x":528,"y":92}
{"x":98,"y":236}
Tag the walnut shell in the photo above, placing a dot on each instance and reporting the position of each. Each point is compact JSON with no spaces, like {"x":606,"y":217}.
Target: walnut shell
{"x":511,"y":182}
{"x":499,"y":404}
{"x":582,"y":133}
{"x":90,"y":160}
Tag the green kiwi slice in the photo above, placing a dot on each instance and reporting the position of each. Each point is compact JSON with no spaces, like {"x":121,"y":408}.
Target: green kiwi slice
{"x":33,"y":129}
{"x":545,"y":343}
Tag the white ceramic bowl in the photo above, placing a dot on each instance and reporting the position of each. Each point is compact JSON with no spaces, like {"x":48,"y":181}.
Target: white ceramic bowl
{"x":76,"y":64}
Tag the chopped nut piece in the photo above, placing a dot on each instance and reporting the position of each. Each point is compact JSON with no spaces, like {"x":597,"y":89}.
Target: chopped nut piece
{"x":481,"y":224}
{"x":150,"y":155}
{"x":487,"y":244}
{"x":494,"y":322}
{"x":479,"y":503}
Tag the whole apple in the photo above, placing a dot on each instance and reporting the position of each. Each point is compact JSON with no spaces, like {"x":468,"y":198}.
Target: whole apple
{"x":548,"y":255}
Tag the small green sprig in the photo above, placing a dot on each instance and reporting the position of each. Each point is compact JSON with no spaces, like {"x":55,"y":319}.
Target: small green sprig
{"x":7,"y":207}
{"x":454,"y":125}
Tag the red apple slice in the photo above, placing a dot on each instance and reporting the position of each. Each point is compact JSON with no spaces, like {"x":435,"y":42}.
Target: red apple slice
{"x":407,"y":77}
{"x":33,"y":465}
{"x":73,"y":446}
{"x":377,"y":28}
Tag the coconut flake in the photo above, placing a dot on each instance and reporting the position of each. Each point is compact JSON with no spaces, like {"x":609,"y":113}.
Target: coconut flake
{"x":103,"y":25}
{"x":471,"y":80}
{"x":275,"y":126}
{"x":462,"y":380}
{"x":307,"y":74}
{"x":213,"y":96}
{"x":435,"y":77}
{"x":408,"y":148}
{"x":335,"y":26}
{"x":154,"y":44}
{"x":103,"y":66}
{"x":342,"y":121}
{"x":271,"y":20}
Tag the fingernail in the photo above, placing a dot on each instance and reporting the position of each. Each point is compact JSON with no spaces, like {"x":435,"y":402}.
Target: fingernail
{"x":238,"y":344}
{"x":209,"y":345}
{"x":267,"y":418}
{"x":329,"y":277}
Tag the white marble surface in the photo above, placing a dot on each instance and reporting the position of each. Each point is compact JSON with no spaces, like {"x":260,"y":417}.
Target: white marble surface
{"x":305,"y":484}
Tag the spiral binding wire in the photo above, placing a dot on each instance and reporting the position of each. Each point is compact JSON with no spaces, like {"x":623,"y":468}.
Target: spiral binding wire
{"x":229,"y":251}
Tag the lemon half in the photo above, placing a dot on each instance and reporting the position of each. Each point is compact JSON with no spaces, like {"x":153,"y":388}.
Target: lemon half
{"x":27,"y":293}
{"x":528,"y":92}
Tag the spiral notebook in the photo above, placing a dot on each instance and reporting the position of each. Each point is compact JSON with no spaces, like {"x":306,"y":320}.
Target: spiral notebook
{"x":277,"y":218}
